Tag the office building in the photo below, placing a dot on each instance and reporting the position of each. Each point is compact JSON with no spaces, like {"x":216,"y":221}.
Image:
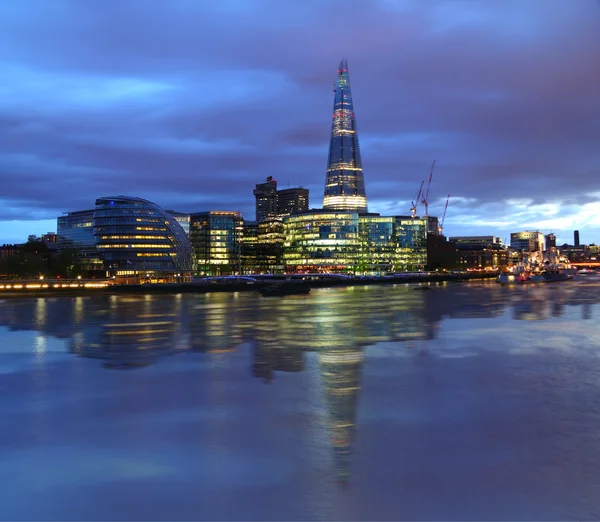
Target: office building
{"x":216,"y":238}
{"x":550,"y":241}
{"x":480,"y":252}
{"x":137,"y":237}
{"x":249,"y":248}
{"x":528,"y":241}
{"x":266,"y":199}
{"x":292,"y":201}
{"x":75,"y":234}
{"x":182,"y":218}
{"x":348,"y":242}
{"x":477,"y":240}
{"x":344,"y":183}
{"x":321,"y":241}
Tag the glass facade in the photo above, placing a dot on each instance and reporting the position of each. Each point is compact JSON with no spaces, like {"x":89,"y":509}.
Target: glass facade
{"x":134,"y":235}
{"x":216,"y":239}
{"x":346,"y":242}
{"x":75,"y":230}
{"x":270,"y":247}
{"x":324,"y":241}
{"x":344,"y":183}
{"x":182,"y":218}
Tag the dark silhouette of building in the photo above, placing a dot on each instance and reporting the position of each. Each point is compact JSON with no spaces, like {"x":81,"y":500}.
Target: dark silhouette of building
{"x":344,"y":183}
{"x":441,"y":254}
{"x":576,"y":238}
{"x":266,"y":199}
{"x":291,"y":201}
{"x":550,"y":241}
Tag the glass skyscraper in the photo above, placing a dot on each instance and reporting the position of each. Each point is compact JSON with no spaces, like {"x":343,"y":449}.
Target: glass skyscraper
{"x":344,"y":184}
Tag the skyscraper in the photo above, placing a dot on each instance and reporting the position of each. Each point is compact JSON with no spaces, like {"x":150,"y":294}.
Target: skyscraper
{"x":344,"y":184}
{"x":266,"y":199}
{"x":292,"y":200}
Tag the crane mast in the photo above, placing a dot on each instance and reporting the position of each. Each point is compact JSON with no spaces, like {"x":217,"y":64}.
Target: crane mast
{"x":441,"y":225}
{"x":426,"y":196}
{"x":413,"y":205}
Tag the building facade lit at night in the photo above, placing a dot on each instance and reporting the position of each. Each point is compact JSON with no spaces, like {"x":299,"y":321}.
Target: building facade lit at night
{"x":216,"y":238}
{"x":347,"y":242}
{"x":136,"y":236}
{"x":344,"y":183}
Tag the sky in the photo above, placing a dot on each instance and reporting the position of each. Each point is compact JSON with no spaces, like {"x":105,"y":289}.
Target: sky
{"x":190,"y":103}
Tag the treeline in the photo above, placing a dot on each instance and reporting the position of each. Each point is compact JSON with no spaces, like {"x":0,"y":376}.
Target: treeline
{"x":35,"y":259}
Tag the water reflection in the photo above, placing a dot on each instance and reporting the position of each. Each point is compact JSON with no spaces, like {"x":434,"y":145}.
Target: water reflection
{"x":130,"y":332}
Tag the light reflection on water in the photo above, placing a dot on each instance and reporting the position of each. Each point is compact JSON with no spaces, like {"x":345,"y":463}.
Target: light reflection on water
{"x":348,"y":366}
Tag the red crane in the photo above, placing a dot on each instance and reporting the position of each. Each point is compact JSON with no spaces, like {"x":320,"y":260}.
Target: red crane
{"x":441,"y":224}
{"x":426,"y":196}
{"x":413,"y":205}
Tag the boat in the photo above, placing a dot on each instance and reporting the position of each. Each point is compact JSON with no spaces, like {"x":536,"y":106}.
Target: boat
{"x":281,"y":288}
{"x":539,"y":267}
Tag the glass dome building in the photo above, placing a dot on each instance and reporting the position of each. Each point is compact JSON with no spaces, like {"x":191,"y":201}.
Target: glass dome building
{"x":136,"y":236}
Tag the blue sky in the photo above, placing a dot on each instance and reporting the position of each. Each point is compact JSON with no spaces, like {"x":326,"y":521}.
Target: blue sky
{"x":190,"y":103}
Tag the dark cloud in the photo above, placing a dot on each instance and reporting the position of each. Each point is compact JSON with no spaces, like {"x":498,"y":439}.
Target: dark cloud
{"x":190,"y":103}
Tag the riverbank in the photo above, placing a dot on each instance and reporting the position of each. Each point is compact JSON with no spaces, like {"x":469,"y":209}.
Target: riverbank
{"x":20,"y":289}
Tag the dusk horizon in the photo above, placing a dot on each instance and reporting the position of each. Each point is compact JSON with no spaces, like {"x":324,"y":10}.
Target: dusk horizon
{"x":190,"y":105}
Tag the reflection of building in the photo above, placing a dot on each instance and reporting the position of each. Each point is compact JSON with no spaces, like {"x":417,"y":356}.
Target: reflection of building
{"x":528,"y":241}
{"x":215,"y":236}
{"x":344,"y":184}
{"x":270,"y":358}
{"x":135,"y":235}
{"x":75,"y":231}
{"x":134,"y":333}
{"x":340,"y":372}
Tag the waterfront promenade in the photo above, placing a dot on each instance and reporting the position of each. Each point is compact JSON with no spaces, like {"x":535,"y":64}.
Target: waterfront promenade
{"x":250,"y":283}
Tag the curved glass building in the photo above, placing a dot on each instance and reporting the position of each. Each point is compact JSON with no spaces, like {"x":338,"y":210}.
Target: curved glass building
{"x":344,"y":184}
{"x":134,"y":235}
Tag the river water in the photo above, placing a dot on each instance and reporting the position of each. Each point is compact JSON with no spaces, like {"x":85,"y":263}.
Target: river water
{"x":463,"y":402}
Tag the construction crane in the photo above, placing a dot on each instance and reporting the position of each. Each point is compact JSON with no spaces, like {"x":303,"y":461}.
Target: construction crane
{"x":441,"y":224}
{"x":413,"y":205}
{"x":426,"y":196}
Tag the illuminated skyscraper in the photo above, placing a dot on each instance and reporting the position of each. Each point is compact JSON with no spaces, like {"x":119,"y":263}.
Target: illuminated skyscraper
{"x":344,"y":184}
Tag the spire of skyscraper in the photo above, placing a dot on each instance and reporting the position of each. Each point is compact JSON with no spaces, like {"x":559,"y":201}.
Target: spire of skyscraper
{"x":344,"y":184}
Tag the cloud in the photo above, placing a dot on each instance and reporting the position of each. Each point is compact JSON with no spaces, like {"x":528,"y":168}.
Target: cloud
{"x":192,"y":103}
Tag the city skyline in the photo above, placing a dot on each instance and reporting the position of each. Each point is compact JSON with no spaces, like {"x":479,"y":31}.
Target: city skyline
{"x":190,"y":105}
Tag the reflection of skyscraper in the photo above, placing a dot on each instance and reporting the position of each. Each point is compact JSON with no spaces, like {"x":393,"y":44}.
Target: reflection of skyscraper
{"x":340,"y":370}
{"x":344,"y":183}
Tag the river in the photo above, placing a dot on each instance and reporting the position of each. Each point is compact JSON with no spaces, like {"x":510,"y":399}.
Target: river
{"x":468,"y":401}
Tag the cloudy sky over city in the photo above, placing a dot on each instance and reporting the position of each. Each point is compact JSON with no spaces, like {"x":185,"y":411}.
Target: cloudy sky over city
{"x":190,"y":103}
